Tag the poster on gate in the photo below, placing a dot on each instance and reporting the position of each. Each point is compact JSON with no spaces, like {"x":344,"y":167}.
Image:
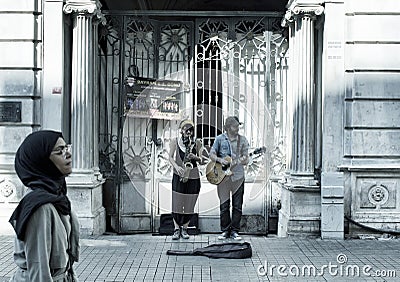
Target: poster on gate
{"x":152,"y":98}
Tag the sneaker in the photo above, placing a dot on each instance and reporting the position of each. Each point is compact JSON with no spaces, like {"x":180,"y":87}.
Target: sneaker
{"x":235,"y":236}
{"x":184,"y":233}
{"x":177,"y":234}
{"x":224,"y":235}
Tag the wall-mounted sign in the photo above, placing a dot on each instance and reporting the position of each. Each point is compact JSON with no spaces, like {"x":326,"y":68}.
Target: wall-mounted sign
{"x":10,"y":111}
{"x":152,"y":98}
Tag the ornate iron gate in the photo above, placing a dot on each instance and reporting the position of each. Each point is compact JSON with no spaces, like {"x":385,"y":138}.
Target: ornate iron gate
{"x":227,"y":66}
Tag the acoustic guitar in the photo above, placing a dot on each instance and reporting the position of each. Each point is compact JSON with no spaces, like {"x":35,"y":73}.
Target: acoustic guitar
{"x":216,"y":172}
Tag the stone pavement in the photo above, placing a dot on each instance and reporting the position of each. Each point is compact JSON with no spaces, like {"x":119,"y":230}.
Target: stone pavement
{"x":143,"y":257}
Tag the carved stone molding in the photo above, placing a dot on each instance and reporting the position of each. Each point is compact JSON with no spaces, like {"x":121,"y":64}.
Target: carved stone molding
{"x":376,"y":194}
{"x":7,"y":188}
{"x":310,"y":10}
{"x":81,"y":6}
{"x":300,"y":11}
{"x":86,"y":7}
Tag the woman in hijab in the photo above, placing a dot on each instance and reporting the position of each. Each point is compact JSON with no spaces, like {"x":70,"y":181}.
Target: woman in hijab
{"x":47,"y":231}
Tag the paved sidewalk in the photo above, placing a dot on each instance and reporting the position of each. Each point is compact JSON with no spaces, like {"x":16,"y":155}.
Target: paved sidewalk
{"x":143,"y":257}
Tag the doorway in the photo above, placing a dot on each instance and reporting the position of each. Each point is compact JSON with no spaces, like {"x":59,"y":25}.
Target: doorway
{"x":224,"y":66}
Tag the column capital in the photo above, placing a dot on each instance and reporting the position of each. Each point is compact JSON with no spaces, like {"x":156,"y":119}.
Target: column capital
{"x":301,"y":10}
{"x":85,"y":7}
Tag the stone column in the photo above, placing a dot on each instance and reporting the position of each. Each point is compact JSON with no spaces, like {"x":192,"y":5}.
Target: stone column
{"x":85,"y":183}
{"x":300,"y":19}
{"x":300,"y":190}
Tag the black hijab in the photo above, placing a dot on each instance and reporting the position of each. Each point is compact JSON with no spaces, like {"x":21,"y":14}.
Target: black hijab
{"x":38,"y":172}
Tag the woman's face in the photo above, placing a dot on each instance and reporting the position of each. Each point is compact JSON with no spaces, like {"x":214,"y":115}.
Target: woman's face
{"x":187,"y":134}
{"x":187,"y":131}
{"x":61,"y":157}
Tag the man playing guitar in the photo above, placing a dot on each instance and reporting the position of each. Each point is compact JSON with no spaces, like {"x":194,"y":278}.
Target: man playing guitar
{"x":236,"y":146}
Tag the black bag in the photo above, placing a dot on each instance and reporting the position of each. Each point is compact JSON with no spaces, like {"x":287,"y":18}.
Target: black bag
{"x":167,"y":225}
{"x":224,"y":250}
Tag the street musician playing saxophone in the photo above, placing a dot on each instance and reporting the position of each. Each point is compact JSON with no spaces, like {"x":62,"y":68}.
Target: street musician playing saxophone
{"x":184,"y":154}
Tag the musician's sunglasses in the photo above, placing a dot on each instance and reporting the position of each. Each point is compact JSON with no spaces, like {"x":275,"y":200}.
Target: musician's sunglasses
{"x":188,"y":131}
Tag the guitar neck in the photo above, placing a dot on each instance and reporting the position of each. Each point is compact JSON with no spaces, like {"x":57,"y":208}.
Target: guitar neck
{"x":258,"y":151}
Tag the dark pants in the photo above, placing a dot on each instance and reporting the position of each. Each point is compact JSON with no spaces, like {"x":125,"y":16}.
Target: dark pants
{"x":184,"y":198}
{"x":225,"y":189}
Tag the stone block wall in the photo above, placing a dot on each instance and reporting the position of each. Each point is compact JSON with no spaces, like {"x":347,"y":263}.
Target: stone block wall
{"x":21,"y":68}
{"x":372,"y":120}
{"x":32,"y":84}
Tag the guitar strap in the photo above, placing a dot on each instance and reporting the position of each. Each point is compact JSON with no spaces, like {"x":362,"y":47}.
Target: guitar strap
{"x":230,"y":146}
{"x":238,"y":147}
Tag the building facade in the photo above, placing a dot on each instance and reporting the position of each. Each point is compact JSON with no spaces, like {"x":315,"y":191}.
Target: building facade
{"x":315,"y":83}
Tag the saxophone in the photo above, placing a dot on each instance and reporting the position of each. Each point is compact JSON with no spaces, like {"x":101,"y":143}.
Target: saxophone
{"x":187,"y":164}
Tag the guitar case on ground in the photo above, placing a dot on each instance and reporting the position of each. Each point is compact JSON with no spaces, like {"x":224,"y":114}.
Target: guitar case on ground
{"x":225,"y":250}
